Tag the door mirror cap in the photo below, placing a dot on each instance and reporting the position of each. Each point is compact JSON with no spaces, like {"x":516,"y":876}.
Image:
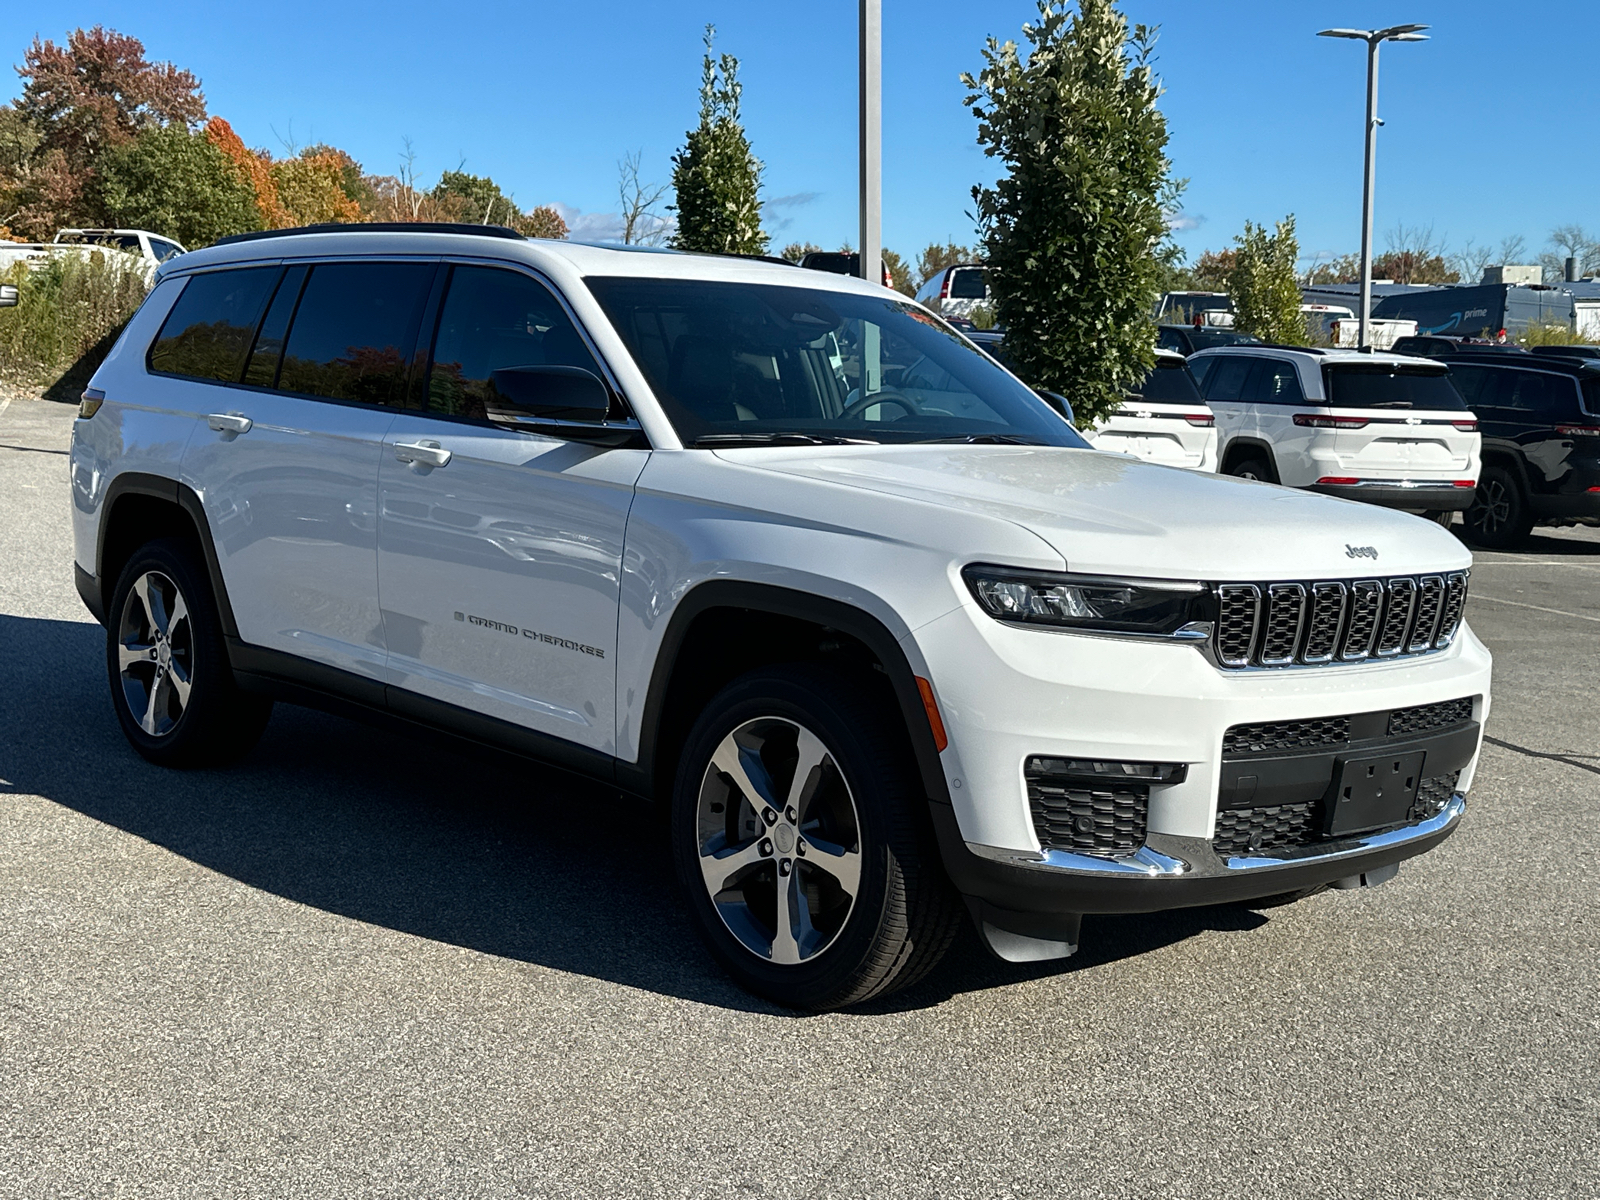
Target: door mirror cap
{"x":8,"y":295}
{"x":554,"y":393}
{"x":1061,"y":404}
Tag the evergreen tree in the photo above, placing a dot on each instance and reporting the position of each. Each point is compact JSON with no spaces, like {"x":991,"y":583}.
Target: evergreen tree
{"x":1264,"y":286}
{"x":716,"y":176}
{"x":1071,"y":231}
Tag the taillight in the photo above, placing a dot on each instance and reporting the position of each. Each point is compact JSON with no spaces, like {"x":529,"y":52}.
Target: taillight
{"x":89,"y":403}
{"x":1338,"y":479}
{"x":1200,"y":420}
{"x":1466,"y":426}
{"x":1464,"y":483}
{"x":1316,"y":422}
{"x":944,"y":287}
{"x":1578,"y":430}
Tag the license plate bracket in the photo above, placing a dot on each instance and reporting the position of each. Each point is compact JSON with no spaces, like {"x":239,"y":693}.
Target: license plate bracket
{"x":1373,"y":791}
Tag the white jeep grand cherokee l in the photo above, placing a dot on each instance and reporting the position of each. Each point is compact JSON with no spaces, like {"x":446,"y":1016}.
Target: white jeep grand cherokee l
{"x":777,"y":548}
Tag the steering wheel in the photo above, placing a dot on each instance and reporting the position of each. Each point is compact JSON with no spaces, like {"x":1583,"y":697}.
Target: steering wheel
{"x":853,"y":412}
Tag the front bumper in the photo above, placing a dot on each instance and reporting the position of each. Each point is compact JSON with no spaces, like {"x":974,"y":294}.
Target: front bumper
{"x":1032,"y":893}
{"x":1407,"y":494}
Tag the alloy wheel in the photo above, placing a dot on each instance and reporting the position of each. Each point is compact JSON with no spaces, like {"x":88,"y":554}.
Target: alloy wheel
{"x":155,"y":653}
{"x":1492,"y":511}
{"x":779,"y":840}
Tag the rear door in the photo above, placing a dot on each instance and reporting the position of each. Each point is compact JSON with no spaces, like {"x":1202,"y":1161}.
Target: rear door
{"x":286,"y":462}
{"x":1400,"y":422}
{"x":1275,"y":394}
{"x":1531,"y":404}
{"x":500,"y":550}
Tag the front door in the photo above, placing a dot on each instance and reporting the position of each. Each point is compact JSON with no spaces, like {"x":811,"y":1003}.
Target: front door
{"x":500,"y":551}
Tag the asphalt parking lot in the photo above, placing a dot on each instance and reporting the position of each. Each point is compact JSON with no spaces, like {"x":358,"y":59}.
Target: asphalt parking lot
{"x":356,"y":965}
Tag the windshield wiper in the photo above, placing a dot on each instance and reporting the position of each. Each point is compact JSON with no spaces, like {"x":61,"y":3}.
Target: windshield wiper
{"x":985,"y":439}
{"x":714,"y":440}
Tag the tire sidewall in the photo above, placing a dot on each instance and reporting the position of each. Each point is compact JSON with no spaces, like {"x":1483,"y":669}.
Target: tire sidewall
{"x":807,"y":699}
{"x":1517,"y":523}
{"x":210,"y":674}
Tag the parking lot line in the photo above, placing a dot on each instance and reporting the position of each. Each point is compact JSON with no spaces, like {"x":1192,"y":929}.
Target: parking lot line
{"x":1533,"y":562}
{"x":1560,"y":612}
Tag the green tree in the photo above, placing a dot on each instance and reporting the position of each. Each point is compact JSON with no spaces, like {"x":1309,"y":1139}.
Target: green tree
{"x":1071,"y":230}
{"x":795,"y":251}
{"x":716,"y":177}
{"x":899,"y":272}
{"x":935,"y":258}
{"x":178,"y":184}
{"x":475,"y":199}
{"x":1264,"y":286}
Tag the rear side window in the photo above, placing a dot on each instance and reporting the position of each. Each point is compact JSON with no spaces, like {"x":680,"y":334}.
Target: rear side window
{"x":1169,"y":383}
{"x":494,"y":319}
{"x":968,"y":283}
{"x":1227,"y":378}
{"x":1276,"y":383}
{"x":164,"y":250}
{"x":1538,"y":395}
{"x":353,"y":330}
{"x":1476,"y":384}
{"x":209,"y":330}
{"x":1386,"y":385}
{"x":1168,"y":339}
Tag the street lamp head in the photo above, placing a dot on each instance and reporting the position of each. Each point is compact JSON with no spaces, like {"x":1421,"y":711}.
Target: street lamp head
{"x":1360,"y":35}
{"x":1395,"y":33}
{"x":1399,"y":32}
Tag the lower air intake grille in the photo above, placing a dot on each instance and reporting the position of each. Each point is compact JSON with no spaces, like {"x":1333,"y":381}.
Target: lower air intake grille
{"x":1432,"y":795}
{"x":1241,"y":830}
{"x":1086,"y":817}
{"x":1270,"y":737}
{"x":1403,"y":721}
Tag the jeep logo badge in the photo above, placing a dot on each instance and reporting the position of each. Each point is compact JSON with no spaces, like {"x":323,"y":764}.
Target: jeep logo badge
{"x":1361,"y":552}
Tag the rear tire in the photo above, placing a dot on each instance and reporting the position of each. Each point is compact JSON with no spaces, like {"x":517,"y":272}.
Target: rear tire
{"x":1499,"y":518}
{"x":1251,"y":468}
{"x":821,"y":891}
{"x":171,"y":684}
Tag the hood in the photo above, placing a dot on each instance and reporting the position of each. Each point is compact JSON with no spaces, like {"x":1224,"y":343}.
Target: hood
{"x":1106,"y":513}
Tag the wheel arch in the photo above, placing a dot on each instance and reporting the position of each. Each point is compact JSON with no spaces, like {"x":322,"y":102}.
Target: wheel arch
{"x":1242,"y":447}
{"x":1512,"y":460}
{"x":723,"y":628}
{"x":139,"y":508}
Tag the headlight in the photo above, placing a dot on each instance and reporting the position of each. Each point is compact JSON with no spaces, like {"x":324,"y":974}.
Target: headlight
{"x":1156,"y":607}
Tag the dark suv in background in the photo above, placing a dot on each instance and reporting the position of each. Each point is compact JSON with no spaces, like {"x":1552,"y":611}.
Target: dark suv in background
{"x":1540,"y":419}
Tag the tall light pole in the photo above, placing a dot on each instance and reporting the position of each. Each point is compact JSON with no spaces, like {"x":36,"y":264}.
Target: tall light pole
{"x":1373,"y":38}
{"x":872,"y":140}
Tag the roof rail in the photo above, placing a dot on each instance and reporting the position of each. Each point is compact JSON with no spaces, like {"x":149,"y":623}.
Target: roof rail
{"x":1283,"y":346}
{"x":499,"y":231}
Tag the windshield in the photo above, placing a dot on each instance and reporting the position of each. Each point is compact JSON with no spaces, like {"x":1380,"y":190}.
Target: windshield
{"x":1388,"y":385}
{"x":1169,"y":383}
{"x":757,"y":363}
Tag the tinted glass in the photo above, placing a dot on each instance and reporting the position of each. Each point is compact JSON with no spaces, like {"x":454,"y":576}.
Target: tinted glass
{"x":208,"y":331}
{"x":1168,"y":339}
{"x":353,"y":329}
{"x":1539,"y":396}
{"x":164,"y":250}
{"x":1169,"y":383}
{"x":1591,"y":397}
{"x":1476,"y":385}
{"x":1226,"y":380}
{"x":754,"y":361}
{"x":1278,"y":383}
{"x":493,"y":319}
{"x":1383,"y":385}
{"x":968,"y":283}
{"x":262,"y":369}
{"x":1205,"y":338}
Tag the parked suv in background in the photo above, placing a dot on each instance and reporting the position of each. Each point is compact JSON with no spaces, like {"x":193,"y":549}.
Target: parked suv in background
{"x":1186,"y":339}
{"x":1166,"y":421}
{"x":1540,"y":417}
{"x":956,"y":291}
{"x":1380,"y":428}
{"x":778,"y":550}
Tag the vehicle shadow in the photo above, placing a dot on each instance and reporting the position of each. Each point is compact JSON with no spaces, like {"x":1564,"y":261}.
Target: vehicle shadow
{"x":429,"y":837}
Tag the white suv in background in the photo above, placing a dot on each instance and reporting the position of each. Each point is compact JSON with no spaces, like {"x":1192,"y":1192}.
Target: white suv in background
{"x":780,"y":551}
{"x":1166,"y":421}
{"x":956,"y":291}
{"x":1381,"y":428}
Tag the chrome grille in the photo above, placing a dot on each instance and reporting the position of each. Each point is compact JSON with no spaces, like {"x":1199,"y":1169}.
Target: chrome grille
{"x":1430,"y":603}
{"x":1286,"y":612}
{"x":1326,"y":621}
{"x":1366,"y":605}
{"x":1401,"y":602}
{"x":1455,"y":599}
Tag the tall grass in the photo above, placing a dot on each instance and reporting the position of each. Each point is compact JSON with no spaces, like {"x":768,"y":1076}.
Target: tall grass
{"x":1548,"y":333}
{"x":68,"y":314}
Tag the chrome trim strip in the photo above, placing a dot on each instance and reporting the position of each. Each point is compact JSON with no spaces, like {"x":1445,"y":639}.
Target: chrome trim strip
{"x":1396,"y":483}
{"x":1144,"y":862}
{"x":1448,"y":816}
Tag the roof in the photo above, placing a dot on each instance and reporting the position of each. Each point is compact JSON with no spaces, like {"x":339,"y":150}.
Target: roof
{"x":1319,"y":355}
{"x":559,"y":259}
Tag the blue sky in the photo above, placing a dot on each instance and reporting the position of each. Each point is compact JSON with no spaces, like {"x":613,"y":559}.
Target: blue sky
{"x":1488,"y":132}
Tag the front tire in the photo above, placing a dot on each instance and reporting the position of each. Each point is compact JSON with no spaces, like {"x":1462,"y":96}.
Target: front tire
{"x":800,"y":839}
{"x":1499,"y":518}
{"x":171,"y":684}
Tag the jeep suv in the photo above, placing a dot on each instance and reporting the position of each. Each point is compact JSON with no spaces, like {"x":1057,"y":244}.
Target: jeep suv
{"x":1381,"y":428}
{"x":1540,"y":416}
{"x":782,"y":552}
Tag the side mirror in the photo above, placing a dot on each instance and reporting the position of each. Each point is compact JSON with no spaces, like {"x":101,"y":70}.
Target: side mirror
{"x":1061,"y":404}
{"x":554,"y":393}
{"x":8,"y":295}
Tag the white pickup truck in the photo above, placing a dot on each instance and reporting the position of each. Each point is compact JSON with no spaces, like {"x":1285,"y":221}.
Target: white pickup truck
{"x":150,"y":250}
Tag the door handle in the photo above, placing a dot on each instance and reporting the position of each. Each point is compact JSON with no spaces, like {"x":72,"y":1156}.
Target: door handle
{"x":428,"y":454}
{"x":229,"y":423}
